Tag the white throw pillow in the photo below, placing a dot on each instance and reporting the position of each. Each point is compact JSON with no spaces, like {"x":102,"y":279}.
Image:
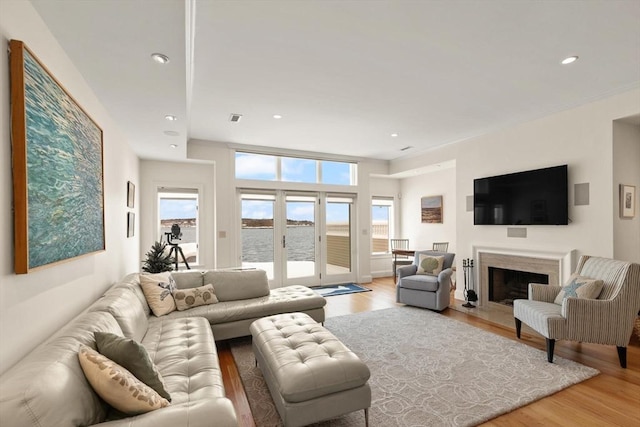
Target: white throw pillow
{"x":429,"y":264}
{"x":117,"y":386}
{"x":580,"y":287}
{"x":158,"y":290}
{"x":193,"y":297}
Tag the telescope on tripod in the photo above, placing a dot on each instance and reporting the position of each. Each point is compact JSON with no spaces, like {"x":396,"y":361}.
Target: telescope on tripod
{"x":176,"y":234}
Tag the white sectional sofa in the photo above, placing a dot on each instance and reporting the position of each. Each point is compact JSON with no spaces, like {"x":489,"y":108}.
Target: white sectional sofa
{"x":48,"y":386}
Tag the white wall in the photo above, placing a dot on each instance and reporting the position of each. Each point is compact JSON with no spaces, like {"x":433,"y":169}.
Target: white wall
{"x":423,"y":235}
{"x":580,"y":137}
{"x":34,"y":305}
{"x":626,"y":160}
{"x":154,"y":174}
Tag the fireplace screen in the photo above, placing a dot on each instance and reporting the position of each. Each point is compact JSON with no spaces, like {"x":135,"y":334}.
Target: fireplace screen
{"x":506,"y":285}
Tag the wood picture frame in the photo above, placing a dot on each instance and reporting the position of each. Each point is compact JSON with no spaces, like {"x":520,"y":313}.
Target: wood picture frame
{"x":57,"y":155}
{"x":431,"y":210}
{"x":131,"y":194}
{"x":627,"y":201}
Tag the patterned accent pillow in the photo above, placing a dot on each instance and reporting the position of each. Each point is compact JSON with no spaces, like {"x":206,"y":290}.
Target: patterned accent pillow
{"x":158,"y":290}
{"x":580,"y":287}
{"x":132,"y":356}
{"x":193,"y":297}
{"x":117,"y":386}
{"x":429,"y":264}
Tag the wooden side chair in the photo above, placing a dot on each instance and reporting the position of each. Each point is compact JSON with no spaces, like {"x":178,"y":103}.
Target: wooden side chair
{"x":400,"y":259}
{"x":441,"y":246}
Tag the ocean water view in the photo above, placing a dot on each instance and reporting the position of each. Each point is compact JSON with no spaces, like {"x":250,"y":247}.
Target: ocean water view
{"x":257,"y":244}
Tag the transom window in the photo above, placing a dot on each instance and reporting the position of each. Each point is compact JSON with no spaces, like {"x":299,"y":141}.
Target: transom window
{"x":266,"y":167}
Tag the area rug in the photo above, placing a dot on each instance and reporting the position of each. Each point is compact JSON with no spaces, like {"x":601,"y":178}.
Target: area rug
{"x":345,"y":288}
{"x":428,"y":370}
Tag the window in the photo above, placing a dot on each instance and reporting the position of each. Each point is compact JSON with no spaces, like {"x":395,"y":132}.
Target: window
{"x":293,"y":169}
{"x":179,"y":206}
{"x":381,"y":224}
{"x":299,"y":170}
{"x":337,"y":173}
{"x":256,"y":166}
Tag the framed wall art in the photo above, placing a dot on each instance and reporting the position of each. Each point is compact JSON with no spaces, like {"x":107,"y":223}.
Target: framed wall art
{"x":431,"y":209}
{"x":131,"y":194}
{"x":58,"y":188}
{"x":131,"y":224}
{"x":627,"y":201}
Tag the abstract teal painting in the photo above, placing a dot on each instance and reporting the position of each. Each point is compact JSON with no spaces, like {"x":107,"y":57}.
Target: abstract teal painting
{"x":59,"y":197}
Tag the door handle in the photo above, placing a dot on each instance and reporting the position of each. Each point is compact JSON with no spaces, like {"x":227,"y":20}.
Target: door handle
{"x":284,"y":241}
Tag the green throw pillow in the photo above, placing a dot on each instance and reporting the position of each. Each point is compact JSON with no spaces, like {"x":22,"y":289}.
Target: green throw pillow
{"x":133,"y":357}
{"x":580,"y":287}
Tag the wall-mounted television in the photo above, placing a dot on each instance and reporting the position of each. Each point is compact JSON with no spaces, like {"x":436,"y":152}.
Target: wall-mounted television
{"x":534,"y":197}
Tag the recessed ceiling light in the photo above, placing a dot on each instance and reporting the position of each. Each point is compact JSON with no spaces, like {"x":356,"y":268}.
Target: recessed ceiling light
{"x":277,"y":116}
{"x":160,"y":58}
{"x":408,"y":147}
{"x":171,"y":117}
{"x":173,"y":145}
{"x":393,"y":135}
{"x":171,"y":133}
{"x":569,"y":60}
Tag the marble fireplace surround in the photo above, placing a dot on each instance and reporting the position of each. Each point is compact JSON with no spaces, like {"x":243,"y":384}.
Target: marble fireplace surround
{"x":558,"y":265}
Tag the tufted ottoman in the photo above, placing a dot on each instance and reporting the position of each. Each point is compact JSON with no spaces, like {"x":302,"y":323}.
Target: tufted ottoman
{"x":311,"y":375}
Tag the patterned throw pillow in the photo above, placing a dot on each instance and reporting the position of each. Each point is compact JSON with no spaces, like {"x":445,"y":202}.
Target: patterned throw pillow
{"x":158,"y":290}
{"x":579,"y":287}
{"x":117,"y":386}
{"x":193,"y":297}
{"x":132,"y":356}
{"x":429,"y":264}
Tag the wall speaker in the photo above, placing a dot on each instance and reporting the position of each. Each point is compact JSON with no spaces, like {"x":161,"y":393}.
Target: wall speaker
{"x":581,"y":194}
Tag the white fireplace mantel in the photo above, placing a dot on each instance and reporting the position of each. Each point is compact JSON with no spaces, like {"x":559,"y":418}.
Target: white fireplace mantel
{"x":565,"y":262}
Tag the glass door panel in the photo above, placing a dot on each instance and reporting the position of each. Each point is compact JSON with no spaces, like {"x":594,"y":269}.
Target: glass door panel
{"x":179,"y":207}
{"x":258,"y":236}
{"x":339,"y":251}
{"x":299,"y":241}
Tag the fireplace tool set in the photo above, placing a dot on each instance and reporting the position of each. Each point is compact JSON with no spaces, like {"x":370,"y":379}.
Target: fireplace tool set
{"x":469,"y":292}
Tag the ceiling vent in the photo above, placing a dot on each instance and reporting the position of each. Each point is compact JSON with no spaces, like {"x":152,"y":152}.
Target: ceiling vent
{"x":235,"y":118}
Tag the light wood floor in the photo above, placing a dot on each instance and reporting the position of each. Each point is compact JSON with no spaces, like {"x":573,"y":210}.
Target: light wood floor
{"x":609,"y":399}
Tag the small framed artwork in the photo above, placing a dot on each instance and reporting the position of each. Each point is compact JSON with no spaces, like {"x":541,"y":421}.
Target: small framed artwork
{"x":131,"y":224}
{"x":131,"y":194}
{"x":627,"y":201}
{"x":431,"y":209}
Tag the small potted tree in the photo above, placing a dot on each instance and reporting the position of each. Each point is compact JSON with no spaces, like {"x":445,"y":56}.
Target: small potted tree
{"x":157,"y":259}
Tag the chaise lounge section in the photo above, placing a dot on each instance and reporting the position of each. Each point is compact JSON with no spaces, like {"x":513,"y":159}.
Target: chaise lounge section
{"x":49,"y":387}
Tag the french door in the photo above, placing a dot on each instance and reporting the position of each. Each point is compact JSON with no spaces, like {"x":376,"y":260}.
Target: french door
{"x":303,"y":238}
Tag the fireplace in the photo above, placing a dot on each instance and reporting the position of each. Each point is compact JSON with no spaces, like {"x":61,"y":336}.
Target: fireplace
{"x":553,"y":268}
{"x":505,"y":285}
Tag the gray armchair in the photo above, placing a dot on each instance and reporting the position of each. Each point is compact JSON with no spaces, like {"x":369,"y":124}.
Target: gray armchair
{"x":606,"y":320}
{"x":424,"y":290}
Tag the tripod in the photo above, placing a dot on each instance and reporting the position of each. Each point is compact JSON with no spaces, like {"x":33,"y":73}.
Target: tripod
{"x":175,"y":249}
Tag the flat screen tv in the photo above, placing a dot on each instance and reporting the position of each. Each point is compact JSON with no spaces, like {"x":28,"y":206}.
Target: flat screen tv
{"x":535,"y":197}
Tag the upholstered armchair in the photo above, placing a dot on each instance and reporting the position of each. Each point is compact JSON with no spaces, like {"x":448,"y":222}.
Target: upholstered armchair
{"x":607,"y":319}
{"x":426,"y":282}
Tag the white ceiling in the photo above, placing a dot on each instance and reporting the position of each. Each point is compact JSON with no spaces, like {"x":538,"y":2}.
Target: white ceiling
{"x":344,"y":75}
